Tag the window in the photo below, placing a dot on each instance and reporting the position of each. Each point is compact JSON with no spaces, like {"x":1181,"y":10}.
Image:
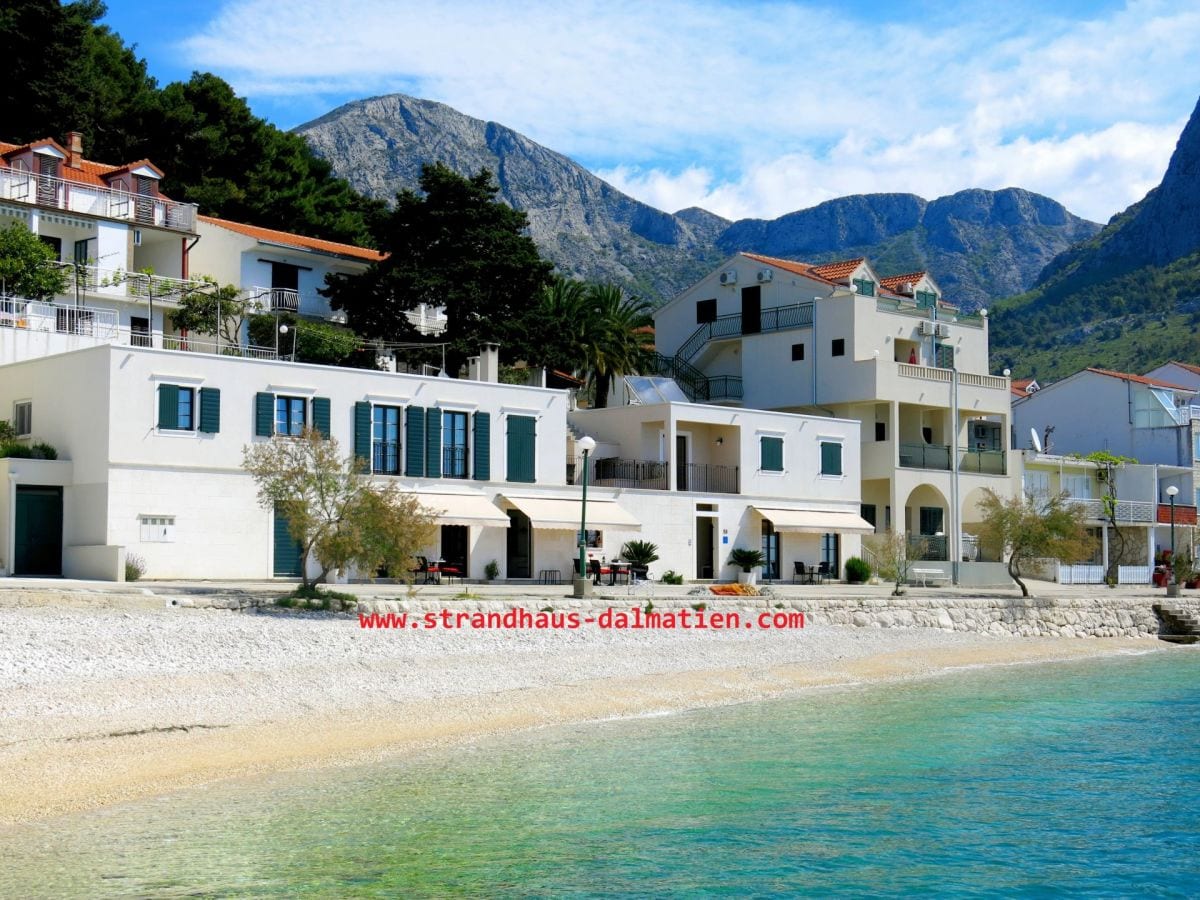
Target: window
{"x":838,"y":347}
{"x":831,"y":458}
{"x":23,"y":418}
{"x":770,"y":550}
{"x":770,"y":454}
{"x":944,"y":357}
{"x":1079,"y":485}
{"x":706,"y":311}
{"x":157,"y":529}
{"x":385,"y":440}
{"x":926,"y":299}
{"x":1037,"y":486}
{"x":868,"y":513}
{"x":831,"y":552}
{"x":865,"y":286}
{"x":454,"y":445}
{"x":176,"y":408}
{"x":289,"y":415}
{"x":522,"y":448}
{"x":797,"y":352}
{"x":881,"y":431}
{"x":931,"y":519}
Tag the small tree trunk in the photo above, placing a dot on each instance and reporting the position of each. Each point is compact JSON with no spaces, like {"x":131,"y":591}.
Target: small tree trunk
{"x":602,"y":384}
{"x":1014,"y":572}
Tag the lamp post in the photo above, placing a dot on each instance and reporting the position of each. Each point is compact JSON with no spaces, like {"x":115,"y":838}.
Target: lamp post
{"x":1172,"y":583}
{"x":583,"y":587}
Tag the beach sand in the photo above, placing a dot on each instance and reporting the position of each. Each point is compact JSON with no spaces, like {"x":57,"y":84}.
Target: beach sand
{"x":105,"y":704}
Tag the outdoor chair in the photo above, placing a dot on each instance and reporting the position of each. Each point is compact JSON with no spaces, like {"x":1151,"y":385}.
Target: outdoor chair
{"x":824,"y":572}
{"x":800,"y":573}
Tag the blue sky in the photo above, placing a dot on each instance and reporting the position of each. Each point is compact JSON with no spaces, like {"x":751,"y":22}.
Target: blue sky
{"x":744,"y":108}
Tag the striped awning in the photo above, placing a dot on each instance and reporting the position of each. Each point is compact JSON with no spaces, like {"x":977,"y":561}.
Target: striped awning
{"x":814,"y":521}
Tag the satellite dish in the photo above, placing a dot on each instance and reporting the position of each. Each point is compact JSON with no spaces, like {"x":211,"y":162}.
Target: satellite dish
{"x":1037,"y":442}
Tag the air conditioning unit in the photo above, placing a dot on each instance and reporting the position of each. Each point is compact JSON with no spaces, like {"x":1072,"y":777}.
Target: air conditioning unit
{"x":943,"y":330}
{"x":927,"y":328}
{"x":137,"y":237}
{"x":729,"y":277}
{"x":764,"y":275}
{"x":906,"y":287}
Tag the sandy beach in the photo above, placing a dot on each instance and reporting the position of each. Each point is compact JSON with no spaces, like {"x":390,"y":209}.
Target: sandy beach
{"x":105,"y":703}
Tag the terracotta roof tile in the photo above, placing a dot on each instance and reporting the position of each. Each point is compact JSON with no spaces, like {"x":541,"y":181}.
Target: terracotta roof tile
{"x":1140,"y":379}
{"x":892,"y":282}
{"x":788,"y":265}
{"x":840,"y":270}
{"x":89,"y":172}
{"x":295,"y":240}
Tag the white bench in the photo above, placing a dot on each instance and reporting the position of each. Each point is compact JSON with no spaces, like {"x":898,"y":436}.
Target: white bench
{"x":927,"y":575}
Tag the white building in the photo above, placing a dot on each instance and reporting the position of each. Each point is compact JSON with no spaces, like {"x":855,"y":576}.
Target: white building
{"x":838,"y":340}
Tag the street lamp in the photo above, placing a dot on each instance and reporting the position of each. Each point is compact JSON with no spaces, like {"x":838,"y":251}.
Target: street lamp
{"x":283,"y":329}
{"x":583,"y":587}
{"x":1171,"y":492}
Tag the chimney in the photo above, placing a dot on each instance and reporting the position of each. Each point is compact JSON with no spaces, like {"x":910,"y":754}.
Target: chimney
{"x":75,"y":150}
{"x":485,"y":366}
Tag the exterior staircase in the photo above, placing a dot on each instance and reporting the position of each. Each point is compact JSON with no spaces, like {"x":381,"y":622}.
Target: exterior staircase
{"x":1177,"y":625}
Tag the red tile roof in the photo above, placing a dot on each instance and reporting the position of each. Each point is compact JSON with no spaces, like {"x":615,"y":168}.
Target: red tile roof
{"x":299,"y":241}
{"x":90,"y":172}
{"x":1018,"y":392}
{"x":788,"y":265}
{"x":1195,"y":370}
{"x":840,"y":270}
{"x":893,"y":282}
{"x":1139,"y":379}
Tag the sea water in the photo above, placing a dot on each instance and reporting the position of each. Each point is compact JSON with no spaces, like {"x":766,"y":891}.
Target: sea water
{"x":1063,"y":779}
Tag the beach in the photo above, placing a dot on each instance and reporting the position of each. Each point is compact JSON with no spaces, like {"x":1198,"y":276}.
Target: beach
{"x":105,"y":701}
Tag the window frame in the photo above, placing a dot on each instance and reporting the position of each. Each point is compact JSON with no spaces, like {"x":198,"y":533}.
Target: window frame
{"x":379,"y":422}
{"x":148,"y":526}
{"x":290,"y":402}
{"x":841,"y":462}
{"x":190,"y":394}
{"x":706,"y":311}
{"x":837,"y":347}
{"x":18,"y":407}
{"x":798,"y":352}
{"x":762,"y":454}
{"x":464,"y":464}
{"x":864,"y":287}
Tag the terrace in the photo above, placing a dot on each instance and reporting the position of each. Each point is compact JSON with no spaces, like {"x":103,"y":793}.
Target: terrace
{"x":72,"y":196}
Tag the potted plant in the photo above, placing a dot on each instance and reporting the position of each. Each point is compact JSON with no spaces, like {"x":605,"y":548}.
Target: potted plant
{"x":639,"y":555}
{"x":747,"y":560}
{"x":1185,"y":569}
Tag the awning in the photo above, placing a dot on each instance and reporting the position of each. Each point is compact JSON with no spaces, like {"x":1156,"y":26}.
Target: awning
{"x":563,"y":515}
{"x":463,"y":509}
{"x":811,"y":521}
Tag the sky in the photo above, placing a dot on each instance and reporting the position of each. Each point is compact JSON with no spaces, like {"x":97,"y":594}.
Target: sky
{"x":747,"y":109}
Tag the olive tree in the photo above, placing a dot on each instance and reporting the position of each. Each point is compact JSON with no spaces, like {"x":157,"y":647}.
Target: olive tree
{"x":1020,"y":531}
{"x":894,"y":555}
{"x":335,"y":512}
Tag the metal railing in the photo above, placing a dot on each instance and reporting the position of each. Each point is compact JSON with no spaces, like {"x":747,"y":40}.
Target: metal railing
{"x":74,"y":196}
{"x":277,"y":299}
{"x":627,"y":473}
{"x":723,"y":387}
{"x":983,"y":462}
{"x":925,"y":456}
{"x":1126,"y":510}
{"x":385,"y":457}
{"x":933,"y":547}
{"x":920,"y":311}
{"x":191,"y":345}
{"x":31,"y":315}
{"x":118,"y":282}
{"x":704,"y":478}
{"x":454,"y":462}
{"x":775,"y":318}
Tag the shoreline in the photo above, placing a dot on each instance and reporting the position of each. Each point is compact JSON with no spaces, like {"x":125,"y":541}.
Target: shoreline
{"x":109,"y":743}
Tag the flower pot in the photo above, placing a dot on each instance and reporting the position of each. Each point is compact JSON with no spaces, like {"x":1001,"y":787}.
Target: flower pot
{"x":750,"y":577}
{"x":1172,"y":590}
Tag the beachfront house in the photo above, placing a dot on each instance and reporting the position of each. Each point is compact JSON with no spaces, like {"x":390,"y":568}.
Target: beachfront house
{"x":841,"y":341}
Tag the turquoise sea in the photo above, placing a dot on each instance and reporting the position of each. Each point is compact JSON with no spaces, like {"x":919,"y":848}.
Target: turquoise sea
{"x":1047,"y":780}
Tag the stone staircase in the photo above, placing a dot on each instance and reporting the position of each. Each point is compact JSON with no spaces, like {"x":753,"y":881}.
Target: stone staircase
{"x":1179,"y":626}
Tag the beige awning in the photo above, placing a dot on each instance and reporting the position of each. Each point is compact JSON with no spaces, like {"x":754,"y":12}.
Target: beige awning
{"x":812,"y":521}
{"x":554,"y":514}
{"x":463,"y":509}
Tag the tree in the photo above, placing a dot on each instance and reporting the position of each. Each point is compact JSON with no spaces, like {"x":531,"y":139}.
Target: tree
{"x":1022,"y":530}
{"x":313,"y":342}
{"x":336,"y":513}
{"x":212,"y":309}
{"x":1108,"y":464}
{"x":557,"y":327}
{"x":894,"y":555}
{"x":28,"y":267}
{"x":454,"y":245}
{"x":621,"y":338}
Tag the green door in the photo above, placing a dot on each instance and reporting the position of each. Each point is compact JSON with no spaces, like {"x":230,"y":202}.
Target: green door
{"x":519,"y":563}
{"x":38,"y":531}
{"x":287,"y":549}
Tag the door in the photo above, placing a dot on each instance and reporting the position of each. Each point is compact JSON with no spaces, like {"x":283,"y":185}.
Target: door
{"x":287,"y":555}
{"x":47,"y":190}
{"x":285,"y":287}
{"x":770,"y":551}
{"x":454,"y":546}
{"x":39,"y":521}
{"x":705,"y":526}
{"x":681,"y":462}
{"x":520,"y":545}
{"x":139,"y":331}
{"x":144,"y":205}
{"x":751,"y":310}
{"x":831,"y":555}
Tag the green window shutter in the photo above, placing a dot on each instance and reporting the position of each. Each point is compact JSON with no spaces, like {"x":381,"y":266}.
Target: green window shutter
{"x":320,"y":416}
{"x":831,"y":458}
{"x":772,"y":454}
{"x":362,"y":434}
{"x":210,"y":410}
{"x":433,"y":443}
{"x":414,"y":441}
{"x":168,"y":406}
{"x":522,"y":448}
{"x":264,"y":414}
{"x":482,"y":424}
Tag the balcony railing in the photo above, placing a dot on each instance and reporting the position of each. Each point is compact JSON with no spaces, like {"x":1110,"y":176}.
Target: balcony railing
{"x":1184,"y":515}
{"x":983,"y":462}
{"x":721,"y":387}
{"x":1127,"y":510}
{"x":775,"y":318}
{"x":945,"y":376}
{"x":120,"y":283}
{"x":276,"y":299}
{"x":31,"y":315}
{"x":916,"y":310}
{"x":928,"y":546}
{"x":191,"y":345}
{"x":925,"y":456}
{"x":385,"y":457}
{"x":73,"y":196}
{"x":703,"y":478}
{"x":626,"y":473}
{"x":454,"y":462}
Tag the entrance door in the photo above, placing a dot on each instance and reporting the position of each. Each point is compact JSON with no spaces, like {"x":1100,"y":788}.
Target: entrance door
{"x":285,"y":287}
{"x":751,"y":310}
{"x":139,"y":331}
{"x":454,"y":546}
{"x":705,"y":528}
{"x":520,"y":545}
{"x":39,"y":523}
{"x":681,"y":462}
{"x":287,"y":556}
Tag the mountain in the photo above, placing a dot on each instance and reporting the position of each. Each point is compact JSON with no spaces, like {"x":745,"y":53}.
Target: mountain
{"x":585,"y":225}
{"x":978,"y":244}
{"x":1128,"y":298}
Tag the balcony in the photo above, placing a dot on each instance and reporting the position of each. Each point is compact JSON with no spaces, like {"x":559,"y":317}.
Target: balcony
{"x":623,"y":473}
{"x":702,"y":478}
{"x":30,"y":315}
{"x":775,"y":318}
{"x":912,"y":308}
{"x":983,"y":462}
{"x":925,"y":456}
{"x":72,"y":196}
{"x":1184,"y":515}
{"x":1127,"y":511}
{"x":120,"y":283}
{"x":946,"y":376}
{"x":191,"y":345}
{"x":276,"y":299}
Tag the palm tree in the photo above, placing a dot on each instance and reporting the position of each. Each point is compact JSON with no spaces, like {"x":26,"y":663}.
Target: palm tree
{"x":620,"y":337}
{"x":561,"y":322}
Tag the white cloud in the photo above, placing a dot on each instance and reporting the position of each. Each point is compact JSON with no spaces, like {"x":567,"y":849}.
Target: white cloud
{"x":760,"y":108}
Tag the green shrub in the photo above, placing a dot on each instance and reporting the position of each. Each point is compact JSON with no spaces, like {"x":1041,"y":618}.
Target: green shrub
{"x":315,"y":598}
{"x":858,"y":571}
{"x":492,"y":570}
{"x":135,"y":567}
{"x":745,"y":558}
{"x":7,"y":432}
{"x":15,"y":450}
{"x":640,"y":553}
{"x":671,"y":577}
